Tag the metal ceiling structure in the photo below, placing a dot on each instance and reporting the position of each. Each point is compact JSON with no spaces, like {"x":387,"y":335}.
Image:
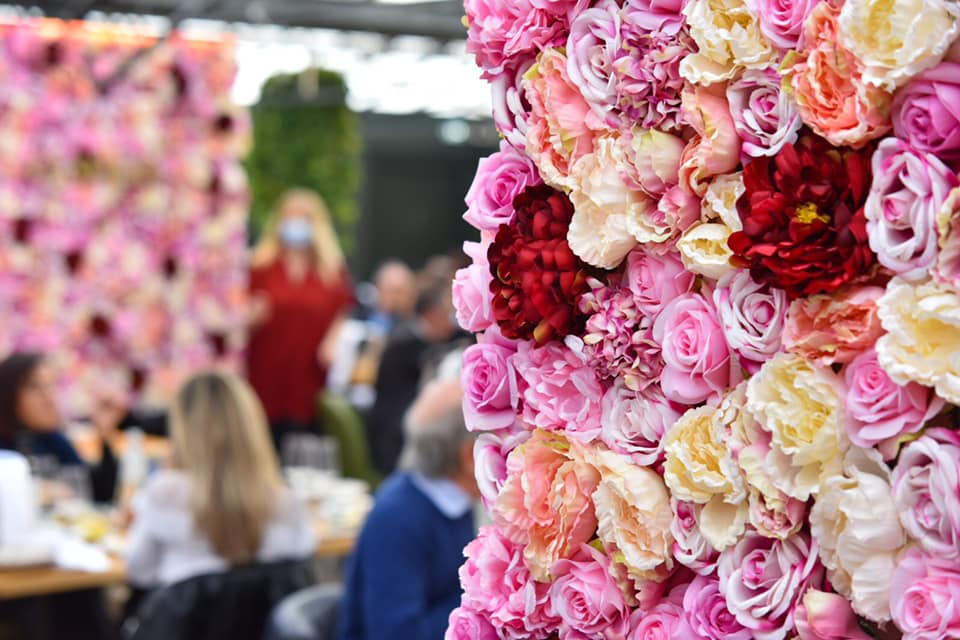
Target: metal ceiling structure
{"x":438,"y":19}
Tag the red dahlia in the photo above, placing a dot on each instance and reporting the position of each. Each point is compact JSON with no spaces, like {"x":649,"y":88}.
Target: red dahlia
{"x":537,"y":280}
{"x":803,"y":224}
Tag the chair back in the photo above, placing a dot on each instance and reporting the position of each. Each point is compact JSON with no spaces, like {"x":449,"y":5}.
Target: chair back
{"x":342,"y":422}
{"x":234,"y":604}
{"x":309,"y":614}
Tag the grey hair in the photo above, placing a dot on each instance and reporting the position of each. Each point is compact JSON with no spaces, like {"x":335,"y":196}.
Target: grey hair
{"x":434,"y":436}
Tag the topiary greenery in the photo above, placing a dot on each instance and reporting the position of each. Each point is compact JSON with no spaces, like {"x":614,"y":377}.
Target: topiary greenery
{"x":305,"y":136}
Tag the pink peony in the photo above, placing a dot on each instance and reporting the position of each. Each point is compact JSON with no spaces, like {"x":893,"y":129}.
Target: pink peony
{"x":656,"y":279}
{"x":500,"y":178}
{"x":497,"y":585}
{"x":909,"y":187}
{"x":489,"y":383}
{"x":833,"y":328}
{"x":593,"y":41}
{"x":559,"y":390}
{"x":763,"y":113}
{"x":490,"y":453}
{"x":469,"y":625}
{"x":752,"y":316}
{"x":617,"y":338}
{"x":545,"y":503}
{"x":926,"y":489}
{"x":715,"y":149}
{"x":471,"y":290}
{"x":634,"y":422}
{"x":707,"y":612}
{"x":697,"y":362}
{"x":826,"y":616}
{"x":667,"y":620}
{"x":926,"y":112}
{"x":586,"y":597}
{"x":511,"y":110}
{"x":923,"y":597}
{"x":879,"y":410}
{"x":690,"y":548}
{"x":763,"y":579}
{"x":654,"y":160}
{"x":781,"y":21}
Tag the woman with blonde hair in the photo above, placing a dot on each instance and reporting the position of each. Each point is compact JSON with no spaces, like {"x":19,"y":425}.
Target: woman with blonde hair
{"x":223,"y":502}
{"x":299,"y":292}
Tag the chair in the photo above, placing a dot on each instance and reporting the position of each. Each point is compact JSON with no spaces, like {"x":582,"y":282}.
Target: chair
{"x":342,"y":421}
{"x":235,"y":604}
{"x":310,"y":614}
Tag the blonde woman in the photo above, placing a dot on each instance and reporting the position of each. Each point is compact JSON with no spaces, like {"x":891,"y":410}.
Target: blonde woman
{"x":223,"y":503}
{"x":300,"y":291}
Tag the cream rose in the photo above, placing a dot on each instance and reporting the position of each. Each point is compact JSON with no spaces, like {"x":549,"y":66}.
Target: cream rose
{"x":633,"y":511}
{"x":798,"y":404}
{"x":922,"y":343}
{"x":720,"y":200}
{"x":897,"y":39}
{"x":856,"y":522}
{"x":729,"y":39}
{"x":704,"y":249}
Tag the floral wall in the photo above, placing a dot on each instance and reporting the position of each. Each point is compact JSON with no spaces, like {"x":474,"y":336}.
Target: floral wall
{"x":123,"y":206}
{"x":717,"y":300}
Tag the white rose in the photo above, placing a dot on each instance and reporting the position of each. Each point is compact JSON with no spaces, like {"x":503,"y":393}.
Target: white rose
{"x":704,"y":249}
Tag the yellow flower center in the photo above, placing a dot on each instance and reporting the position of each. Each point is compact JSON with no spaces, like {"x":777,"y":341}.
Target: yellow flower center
{"x":808,"y":212}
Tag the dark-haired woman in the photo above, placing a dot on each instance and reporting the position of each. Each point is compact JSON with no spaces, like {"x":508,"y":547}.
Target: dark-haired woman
{"x":31,"y":422}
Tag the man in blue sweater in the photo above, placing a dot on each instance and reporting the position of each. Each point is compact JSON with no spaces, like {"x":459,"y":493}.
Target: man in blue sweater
{"x":402,"y":578}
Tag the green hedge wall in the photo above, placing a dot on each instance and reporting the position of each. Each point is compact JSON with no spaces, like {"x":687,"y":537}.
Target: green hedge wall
{"x":305,"y":136}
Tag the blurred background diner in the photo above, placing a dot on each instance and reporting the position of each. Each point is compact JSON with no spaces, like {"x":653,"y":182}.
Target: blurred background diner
{"x":229,"y":357}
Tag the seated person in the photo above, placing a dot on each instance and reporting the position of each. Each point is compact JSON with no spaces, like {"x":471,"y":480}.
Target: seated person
{"x":224,"y":502}
{"x":402,"y":579}
{"x":31,"y":422}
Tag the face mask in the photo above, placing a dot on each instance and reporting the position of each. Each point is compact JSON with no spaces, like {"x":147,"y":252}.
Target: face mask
{"x":296,"y":233}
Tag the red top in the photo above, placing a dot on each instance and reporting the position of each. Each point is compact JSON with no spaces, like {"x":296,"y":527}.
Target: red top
{"x":282,"y":357}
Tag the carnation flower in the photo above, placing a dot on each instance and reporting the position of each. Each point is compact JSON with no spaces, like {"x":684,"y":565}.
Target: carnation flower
{"x":728,"y":40}
{"x":804,"y":230}
{"x":752,"y":317}
{"x":545,"y":504}
{"x":586,"y":598}
{"x":536,"y":278}
{"x":558,"y":389}
{"x":830,"y":329}
{"x":497,"y":585}
{"x":634,"y":422}
{"x":763,"y":113}
{"x":500,"y":178}
{"x":763,"y":579}
{"x":855,"y":522}
{"x":909,"y":187}
{"x":923,"y":336}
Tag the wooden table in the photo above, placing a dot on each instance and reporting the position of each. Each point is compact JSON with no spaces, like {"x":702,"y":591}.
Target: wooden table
{"x":40,"y":581}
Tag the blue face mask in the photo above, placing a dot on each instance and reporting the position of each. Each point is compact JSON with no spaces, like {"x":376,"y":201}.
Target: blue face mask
{"x":296,"y":233}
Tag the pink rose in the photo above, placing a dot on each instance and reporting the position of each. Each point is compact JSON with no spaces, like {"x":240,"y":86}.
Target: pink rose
{"x":471,"y":290}
{"x":752,"y":316}
{"x":926,"y":489}
{"x":833,"y":328}
{"x":634,"y":422}
{"x":781,"y":21}
{"x":586,"y":597}
{"x":690,"y":548}
{"x":697,"y":362}
{"x":489,"y":384}
{"x":826,"y":616}
{"x":497,"y":585}
{"x":510,"y":107}
{"x":469,"y":625}
{"x":490,"y":453}
{"x":715,"y":149}
{"x":764,"y":114}
{"x":908,"y":190}
{"x":667,"y":620}
{"x":923,"y":597}
{"x":926,"y":112}
{"x":593,"y":41}
{"x":656,"y":279}
{"x":559,"y":389}
{"x":500,"y":178}
{"x":707,"y":612}
{"x":545,"y":503}
{"x":879,"y":410}
{"x":763,"y":579}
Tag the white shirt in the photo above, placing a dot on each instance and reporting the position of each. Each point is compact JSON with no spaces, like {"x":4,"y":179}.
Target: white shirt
{"x":164,"y":546}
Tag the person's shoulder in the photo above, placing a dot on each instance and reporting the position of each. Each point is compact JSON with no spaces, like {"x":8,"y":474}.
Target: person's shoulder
{"x":399,"y":499}
{"x":168,"y":488}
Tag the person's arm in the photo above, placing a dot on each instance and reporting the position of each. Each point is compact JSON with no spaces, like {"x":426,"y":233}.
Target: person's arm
{"x":143,"y":551}
{"x":394,"y":594}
